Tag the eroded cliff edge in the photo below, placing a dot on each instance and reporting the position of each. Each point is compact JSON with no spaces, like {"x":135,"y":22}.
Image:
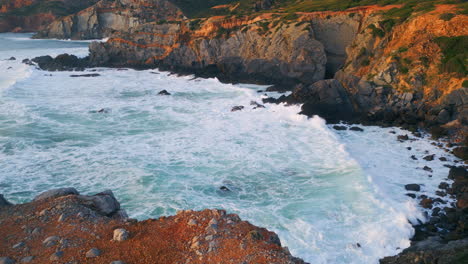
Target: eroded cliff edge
{"x":63,"y":226}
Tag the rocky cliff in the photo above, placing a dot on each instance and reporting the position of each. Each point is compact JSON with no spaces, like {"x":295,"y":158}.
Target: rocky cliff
{"x":62,"y":226}
{"x":108,"y":16}
{"x":33,"y":15}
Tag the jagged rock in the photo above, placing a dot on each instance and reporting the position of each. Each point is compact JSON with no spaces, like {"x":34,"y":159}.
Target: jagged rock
{"x":63,"y":62}
{"x":429,"y":157}
{"x":326,"y":98}
{"x":56,"y":193}
{"x":104,"y":202}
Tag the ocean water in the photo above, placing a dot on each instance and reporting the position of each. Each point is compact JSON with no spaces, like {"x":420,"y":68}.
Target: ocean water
{"x":322,"y":191}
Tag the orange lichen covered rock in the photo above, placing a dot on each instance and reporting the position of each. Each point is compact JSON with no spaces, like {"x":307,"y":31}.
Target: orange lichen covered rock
{"x":73,"y":228}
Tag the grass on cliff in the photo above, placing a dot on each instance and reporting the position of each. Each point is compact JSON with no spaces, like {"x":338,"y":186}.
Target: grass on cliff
{"x":58,"y":8}
{"x":455,"y":54}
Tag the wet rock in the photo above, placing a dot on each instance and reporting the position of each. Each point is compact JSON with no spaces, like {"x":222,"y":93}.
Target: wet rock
{"x":409,"y":148}
{"x":120,"y":234}
{"x":93,"y":253}
{"x":256,"y":105}
{"x":429,"y":157}
{"x":3,"y":201}
{"x":224,"y":188}
{"x":443,"y":185}
{"x":413,"y":157}
{"x":56,"y":193}
{"x":327,"y":99}
{"x":237,"y":108}
{"x":356,"y":129}
{"x":461,"y":152}
{"x":426,"y":203}
{"x":86,"y":75}
{"x":412,"y":195}
{"x":56,"y":256}
{"x":164,"y":92}
{"x":403,"y":137}
{"x":6,"y":260}
{"x":51,"y":241}
{"x":12,"y":58}
{"x":340,"y":128}
{"x":443,"y":159}
{"x":63,"y":62}
{"x":413,"y":187}
{"x":426,"y":168}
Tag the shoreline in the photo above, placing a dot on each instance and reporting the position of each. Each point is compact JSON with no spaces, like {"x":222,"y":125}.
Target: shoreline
{"x":176,"y":73}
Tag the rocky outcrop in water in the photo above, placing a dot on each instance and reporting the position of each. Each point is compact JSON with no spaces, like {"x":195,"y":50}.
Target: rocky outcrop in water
{"x":107,"y":16}
{"x":64,"y":226}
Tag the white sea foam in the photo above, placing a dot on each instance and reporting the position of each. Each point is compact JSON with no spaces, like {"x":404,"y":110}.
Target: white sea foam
{"x":321,"y":190}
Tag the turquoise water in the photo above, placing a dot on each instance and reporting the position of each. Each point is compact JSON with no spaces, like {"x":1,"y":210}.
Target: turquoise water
{"x":322,"y":191}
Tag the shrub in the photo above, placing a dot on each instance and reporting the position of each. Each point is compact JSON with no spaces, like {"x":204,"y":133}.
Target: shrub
{"x":447,"y":16}
{"x":455,"y":54}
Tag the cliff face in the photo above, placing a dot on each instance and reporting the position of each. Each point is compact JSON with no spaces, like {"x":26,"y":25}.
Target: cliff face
{"x":235,"y":50}
{"x":33,"y":15}
{"x":63,"y":226}
{"x":107,"y":17}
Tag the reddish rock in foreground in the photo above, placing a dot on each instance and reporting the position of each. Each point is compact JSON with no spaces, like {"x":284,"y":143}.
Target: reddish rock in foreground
{"x":80,"y":229}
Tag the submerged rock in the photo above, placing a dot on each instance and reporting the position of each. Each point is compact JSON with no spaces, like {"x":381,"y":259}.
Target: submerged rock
{"x":237,"y":108}
{"x":413,"y":187}
{"x":164,"y":92}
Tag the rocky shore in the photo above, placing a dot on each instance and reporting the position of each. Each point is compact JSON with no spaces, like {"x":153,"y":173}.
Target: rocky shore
{"x":63,"y":226}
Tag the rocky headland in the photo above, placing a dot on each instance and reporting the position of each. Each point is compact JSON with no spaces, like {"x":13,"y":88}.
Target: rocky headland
{"x":394,"y":65}
{"x":63,"y":226}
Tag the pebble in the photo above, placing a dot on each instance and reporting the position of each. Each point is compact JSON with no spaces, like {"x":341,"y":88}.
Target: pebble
{"x":92,"y":253}
{"x":20,"y":244}
{"x":51,"y":241}
{"x":120,"y":234}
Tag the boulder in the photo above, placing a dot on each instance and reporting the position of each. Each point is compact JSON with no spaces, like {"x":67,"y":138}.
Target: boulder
{"x":7,"y":260}
{"x":56,"y":193}
{"x":164,"y":92}
{"x":413,"y":187}
{"x":120,"y":234}
{"x":104,"y":202}
{"x":93,"y":253}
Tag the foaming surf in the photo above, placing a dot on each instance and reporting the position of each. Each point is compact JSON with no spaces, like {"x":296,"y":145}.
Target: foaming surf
{"x":332,"y":196}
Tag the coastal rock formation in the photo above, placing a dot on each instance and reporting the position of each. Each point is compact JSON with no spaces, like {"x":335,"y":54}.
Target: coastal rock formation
{"x":231,"y":50}
{"x":107,"y":16}
{"x":33,"y":15}
{"x":62,"y":225}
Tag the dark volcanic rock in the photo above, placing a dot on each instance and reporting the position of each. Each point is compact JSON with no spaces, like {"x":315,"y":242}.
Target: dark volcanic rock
{"x":86,"y":75}
{"x":327,"y":99}
{"x":429,"y":157}
{"x":63,"y":62}
{"x":413,"y":187}
{"x":461,"y":152}
{"x":237,"y":108}
{"x":164,"y":92}
{"x":340,"y":128}
{"x":403,"y":137}
{"x":356,"y":129}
